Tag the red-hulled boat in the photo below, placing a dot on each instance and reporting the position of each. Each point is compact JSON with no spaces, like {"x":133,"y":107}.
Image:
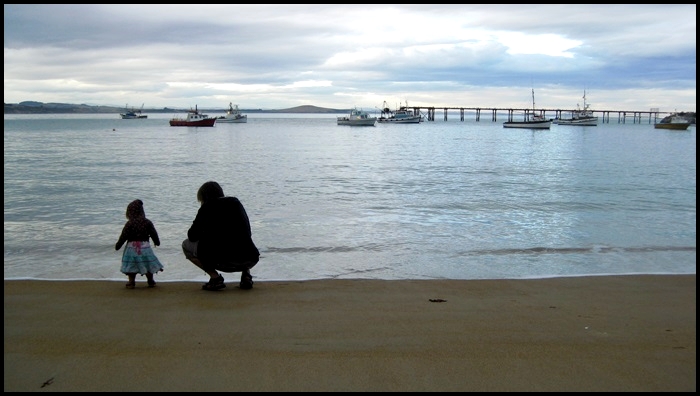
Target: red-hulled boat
{"x":194,"y":119}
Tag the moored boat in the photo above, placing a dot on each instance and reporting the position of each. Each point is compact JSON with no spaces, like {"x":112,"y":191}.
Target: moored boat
{"x":531,"y":121}
{"x":357,"y":117}
{"x":534,"y":122}
{"x":233,"y":115}
{"x":580,"y":117}
{"x":132,"y":114}
{"x":401,"y":116}
{"x":674,"y":122}
{"x":194,"y":119}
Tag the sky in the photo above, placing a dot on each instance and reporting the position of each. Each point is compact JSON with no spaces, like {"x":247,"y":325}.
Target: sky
{"x":271,"y":56}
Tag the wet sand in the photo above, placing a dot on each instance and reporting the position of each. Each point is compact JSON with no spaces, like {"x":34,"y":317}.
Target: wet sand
{"x":612,"y":333}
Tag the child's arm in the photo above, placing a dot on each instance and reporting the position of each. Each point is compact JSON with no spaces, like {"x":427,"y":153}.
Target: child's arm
{"x":121,"y":240}
{"x":153,"y":233}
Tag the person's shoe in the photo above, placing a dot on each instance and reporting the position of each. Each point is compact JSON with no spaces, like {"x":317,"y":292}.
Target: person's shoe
{"x":151,"y":283}
{"x":214,"y":284}
{"x":246,"y":281}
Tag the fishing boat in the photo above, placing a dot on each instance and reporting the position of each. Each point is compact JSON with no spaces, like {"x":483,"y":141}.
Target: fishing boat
{"x":194,"y":119}
{"x":401,"y":116}
{"x":233,"y":115}
{"x":581,"y":117}
{"x":673,"y":122}
{"x":132,"y":114}
{"x":357,"y":117}
{"x":531,"y":121}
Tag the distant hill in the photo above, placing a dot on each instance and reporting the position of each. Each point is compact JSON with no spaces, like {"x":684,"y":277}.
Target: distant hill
{"x":308,"y":109}
{"x":32,"y":107}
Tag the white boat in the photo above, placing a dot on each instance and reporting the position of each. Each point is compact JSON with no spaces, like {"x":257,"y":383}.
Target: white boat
{"x":233,"y":115}
{"x":401,"y":116}
{"x":132,"y":114}
{"x":673,"y":122}
{"x":531,"y":121}
{"x":357,"y":118}
{"x":581,"y":117}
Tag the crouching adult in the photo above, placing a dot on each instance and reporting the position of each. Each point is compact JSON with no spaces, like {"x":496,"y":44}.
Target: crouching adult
{"x":220,"y":238}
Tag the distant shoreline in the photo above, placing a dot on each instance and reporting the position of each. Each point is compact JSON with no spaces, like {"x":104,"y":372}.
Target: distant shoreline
{"x":31,"y":107}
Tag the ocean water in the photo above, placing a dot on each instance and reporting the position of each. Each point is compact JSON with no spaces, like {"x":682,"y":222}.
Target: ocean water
{"x":438,"y":200}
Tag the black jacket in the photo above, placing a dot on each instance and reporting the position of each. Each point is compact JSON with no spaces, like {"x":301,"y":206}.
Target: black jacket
{"x":223,"y":231}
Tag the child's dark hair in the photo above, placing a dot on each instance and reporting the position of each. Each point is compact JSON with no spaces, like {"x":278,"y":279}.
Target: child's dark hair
{"x":135,"y":209}
{"x":209,"y":191}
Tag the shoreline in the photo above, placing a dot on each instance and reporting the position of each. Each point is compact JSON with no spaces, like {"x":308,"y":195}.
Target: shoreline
{"x":232,"y":278}
{"x":589,"y":333}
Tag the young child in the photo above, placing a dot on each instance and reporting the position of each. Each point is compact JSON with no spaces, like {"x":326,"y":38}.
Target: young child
{"x":138,"y":257}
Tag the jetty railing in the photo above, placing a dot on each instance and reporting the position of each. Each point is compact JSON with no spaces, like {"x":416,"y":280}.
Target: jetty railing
{"x":510,"y":113}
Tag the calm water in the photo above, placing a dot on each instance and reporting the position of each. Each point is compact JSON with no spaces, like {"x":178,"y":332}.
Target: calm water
{"x":442,"y":199}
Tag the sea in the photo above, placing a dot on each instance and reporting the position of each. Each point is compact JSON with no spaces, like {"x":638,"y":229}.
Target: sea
{"x":443,"y":199}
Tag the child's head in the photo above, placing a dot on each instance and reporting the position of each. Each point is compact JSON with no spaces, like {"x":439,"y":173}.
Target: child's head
{"x":135,"y":210}
{"x":209,"y":191}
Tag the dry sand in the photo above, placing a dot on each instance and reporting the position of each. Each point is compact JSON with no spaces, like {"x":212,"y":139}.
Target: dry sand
{"x":612,"y":333}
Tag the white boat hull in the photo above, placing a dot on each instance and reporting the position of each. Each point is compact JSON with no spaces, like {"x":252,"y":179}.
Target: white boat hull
{"x":587,"y":121}
{"x":367,"y":122}
{"x":224,"y":120}
{"x":528,"y":124}
{"x":406,"y":120}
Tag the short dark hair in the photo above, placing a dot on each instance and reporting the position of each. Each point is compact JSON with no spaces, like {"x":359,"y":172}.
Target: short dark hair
{"x":209,"y":191}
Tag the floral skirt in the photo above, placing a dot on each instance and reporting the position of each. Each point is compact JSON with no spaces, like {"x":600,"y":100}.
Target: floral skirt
{"x":138,"y":258}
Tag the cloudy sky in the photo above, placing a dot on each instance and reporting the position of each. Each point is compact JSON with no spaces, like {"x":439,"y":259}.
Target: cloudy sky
{"x":626,"y":57}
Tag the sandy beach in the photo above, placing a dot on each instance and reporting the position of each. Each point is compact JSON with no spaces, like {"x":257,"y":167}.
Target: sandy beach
{"x":613,"y":333}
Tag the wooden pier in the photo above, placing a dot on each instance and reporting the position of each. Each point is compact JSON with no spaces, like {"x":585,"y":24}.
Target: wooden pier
{"x":511,"y":114}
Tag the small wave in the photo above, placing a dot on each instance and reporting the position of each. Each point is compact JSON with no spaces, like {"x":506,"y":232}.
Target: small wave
{"x":582,"y":250}
{"x":482,"y":252}
{"x":327,"y":249}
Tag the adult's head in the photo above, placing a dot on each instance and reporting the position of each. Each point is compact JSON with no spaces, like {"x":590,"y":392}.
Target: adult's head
{"x":209,"y":191}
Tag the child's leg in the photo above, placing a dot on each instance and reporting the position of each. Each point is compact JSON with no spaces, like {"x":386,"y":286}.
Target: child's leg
{"x":132,"y":281}
{"x":151,"y":282}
